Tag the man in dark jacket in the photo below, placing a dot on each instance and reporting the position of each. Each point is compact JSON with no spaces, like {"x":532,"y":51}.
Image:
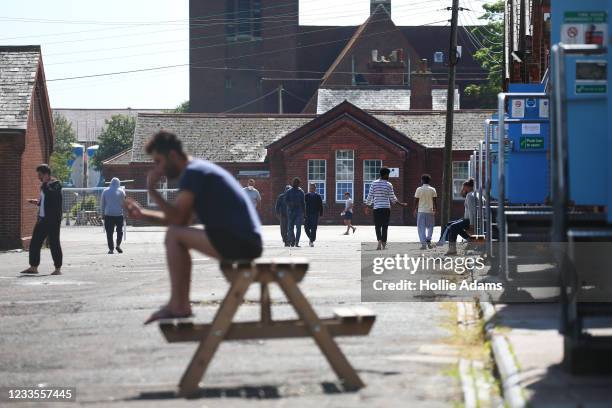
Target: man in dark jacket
{"x":294,"y":199}
{"x":48,"y":224}
{"x":314,"y":209}
{"x":281,"y":212}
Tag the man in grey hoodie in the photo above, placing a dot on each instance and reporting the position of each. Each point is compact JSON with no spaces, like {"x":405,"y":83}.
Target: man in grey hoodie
{"x":111,"y":205}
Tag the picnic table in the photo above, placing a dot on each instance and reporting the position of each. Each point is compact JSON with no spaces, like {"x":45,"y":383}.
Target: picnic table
{"x":287,"y":273}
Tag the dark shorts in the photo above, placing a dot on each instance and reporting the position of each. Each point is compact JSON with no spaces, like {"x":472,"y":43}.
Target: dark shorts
{"x":233,"y":247}
{"x":348,"y":215}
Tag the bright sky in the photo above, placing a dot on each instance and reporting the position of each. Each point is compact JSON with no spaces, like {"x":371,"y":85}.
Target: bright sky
{"x":87,"y":37}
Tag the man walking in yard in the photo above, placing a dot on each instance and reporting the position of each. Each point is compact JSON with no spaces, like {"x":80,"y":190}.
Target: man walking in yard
{"x":425,"y":210}
{"x":347,"y":214}
{"x":49,"y":219}
{"x":379,"y":198}
{"x":314,"y":209}
{"x":281,"y":213}
{"x":253,"y":193}
{"x":294,"y":198}
{"x":232,"y":228}
{"x":111,"y":206}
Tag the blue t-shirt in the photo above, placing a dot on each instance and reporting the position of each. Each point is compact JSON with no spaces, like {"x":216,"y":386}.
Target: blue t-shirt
{"x":220,"y":202}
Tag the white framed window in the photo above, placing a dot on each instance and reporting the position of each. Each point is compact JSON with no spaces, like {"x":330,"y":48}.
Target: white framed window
{"x":317,"y":175}
{"x":461,"y":172}
{"x":345,"y":173}
{"x":371,"y":171}
{"x":162,"y":187}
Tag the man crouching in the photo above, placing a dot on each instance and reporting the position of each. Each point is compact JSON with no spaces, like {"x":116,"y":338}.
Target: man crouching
{"x":232,"y":228}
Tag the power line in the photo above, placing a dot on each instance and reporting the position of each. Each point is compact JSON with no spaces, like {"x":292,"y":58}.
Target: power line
{"x":251,"y":102}
{"x":213,"y":60}
{"x":224,"y":44}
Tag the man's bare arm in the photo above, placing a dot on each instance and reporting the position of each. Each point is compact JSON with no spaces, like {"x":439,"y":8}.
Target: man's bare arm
{"x":177,"y":213}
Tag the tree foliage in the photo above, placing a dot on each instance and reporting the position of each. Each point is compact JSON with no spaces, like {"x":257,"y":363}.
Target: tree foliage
{"x":117,"y":135}
{"x":62,"y":147}
{"x":490,"y":56}
{"x":182,"y":108}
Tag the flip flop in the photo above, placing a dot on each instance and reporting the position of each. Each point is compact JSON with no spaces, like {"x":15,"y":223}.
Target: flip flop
{"x":165,"y":314}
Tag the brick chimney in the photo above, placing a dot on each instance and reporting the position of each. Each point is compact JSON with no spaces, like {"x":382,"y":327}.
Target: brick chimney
{"x":420,"y":87}
{"x":385,"y":3}
{"x":386,"y":70}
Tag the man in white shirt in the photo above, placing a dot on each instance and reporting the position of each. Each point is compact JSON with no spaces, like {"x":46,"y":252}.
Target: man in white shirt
{"x":379,"y":198}
{"x":425,"y":210}
{"x":253,"y":193}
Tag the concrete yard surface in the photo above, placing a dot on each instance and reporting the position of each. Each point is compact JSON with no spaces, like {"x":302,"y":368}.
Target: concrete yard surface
{"x":84,"y":329}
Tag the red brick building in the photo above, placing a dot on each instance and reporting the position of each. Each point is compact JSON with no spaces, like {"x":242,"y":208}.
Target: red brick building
{"x":26,"y":140}
{"x":242,"y":50}
{"x":339,"y":150}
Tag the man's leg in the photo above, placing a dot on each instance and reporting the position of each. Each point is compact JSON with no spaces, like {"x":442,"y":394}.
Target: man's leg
{"x":421,"y":218}
{"x":429,"y":227}
{"x":378,"y":225}
{"x":290,"y":228}
{"x":386,"y":215}
{"x":38,"y":237}
{"x":307,"y":227}
{"x":283,"y":227}
{"x":313,"y":227}
{"x":54,"y":243}
{"x":179,"y":240}
{"x":109,"y":226}
{"x":298,"y":227}
{"x":456,"y":228}
{"x":463,"y":231}
{"x":119,"y":224}
{"x":444,"y":233}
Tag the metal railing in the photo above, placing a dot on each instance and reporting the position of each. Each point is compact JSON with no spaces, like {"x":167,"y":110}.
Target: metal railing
{"x":81,"y":206}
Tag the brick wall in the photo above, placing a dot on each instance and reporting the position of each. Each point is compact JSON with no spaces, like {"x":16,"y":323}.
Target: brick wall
{"x":285,"y":164}
{"x":343,"y":134}
{"x":11,"y":146}
{"x":38,"y":145}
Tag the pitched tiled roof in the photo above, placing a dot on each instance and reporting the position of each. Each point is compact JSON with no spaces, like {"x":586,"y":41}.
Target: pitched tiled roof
{"x":88,"y":123}
{"x":18,"y":67}
{"x":243,"y":138}
{"x":384,"y":99}
{"x":124,"y":157}
{"x":229,"y":138}
{"x":428,"y":128}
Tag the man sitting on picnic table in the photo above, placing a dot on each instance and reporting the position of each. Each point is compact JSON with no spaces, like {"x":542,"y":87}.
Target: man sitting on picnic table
{"x":232,"y":227}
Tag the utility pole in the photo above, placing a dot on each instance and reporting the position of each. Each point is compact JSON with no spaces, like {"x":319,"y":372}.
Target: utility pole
{"x":447,"y":173}
{"x":523,"y":41}
{"x":280,"y":99}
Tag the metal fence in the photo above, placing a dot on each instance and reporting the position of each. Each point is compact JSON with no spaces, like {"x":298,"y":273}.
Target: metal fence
{"x":81,"y":206}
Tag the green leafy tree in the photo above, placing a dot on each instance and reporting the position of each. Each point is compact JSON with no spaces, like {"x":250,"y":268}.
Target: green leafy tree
{"x":182,"y":108}
{"x":490,"y":56}
{"x":117,"y":135}
{"x":62,"y":147}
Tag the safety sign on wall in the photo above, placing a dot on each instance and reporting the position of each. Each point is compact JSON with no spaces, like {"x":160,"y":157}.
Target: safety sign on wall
{"x":584,"y":27}
{"x":518,"y":108}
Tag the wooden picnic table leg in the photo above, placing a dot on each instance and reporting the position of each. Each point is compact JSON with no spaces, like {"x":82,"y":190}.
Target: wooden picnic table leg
{"x":266,"y":312}
{"x":319,"y":332}
{"x":189,"y":384}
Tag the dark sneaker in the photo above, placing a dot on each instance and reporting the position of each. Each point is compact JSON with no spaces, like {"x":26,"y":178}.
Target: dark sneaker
{"x":110,"y":251}
{"x":29,"y":272}
{"x":430,"y":245}
{"x":423,"y":246}
{"x":119,"y":250}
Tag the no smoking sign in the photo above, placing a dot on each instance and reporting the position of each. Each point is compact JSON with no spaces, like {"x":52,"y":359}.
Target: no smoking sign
{"x":572,"y":32}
